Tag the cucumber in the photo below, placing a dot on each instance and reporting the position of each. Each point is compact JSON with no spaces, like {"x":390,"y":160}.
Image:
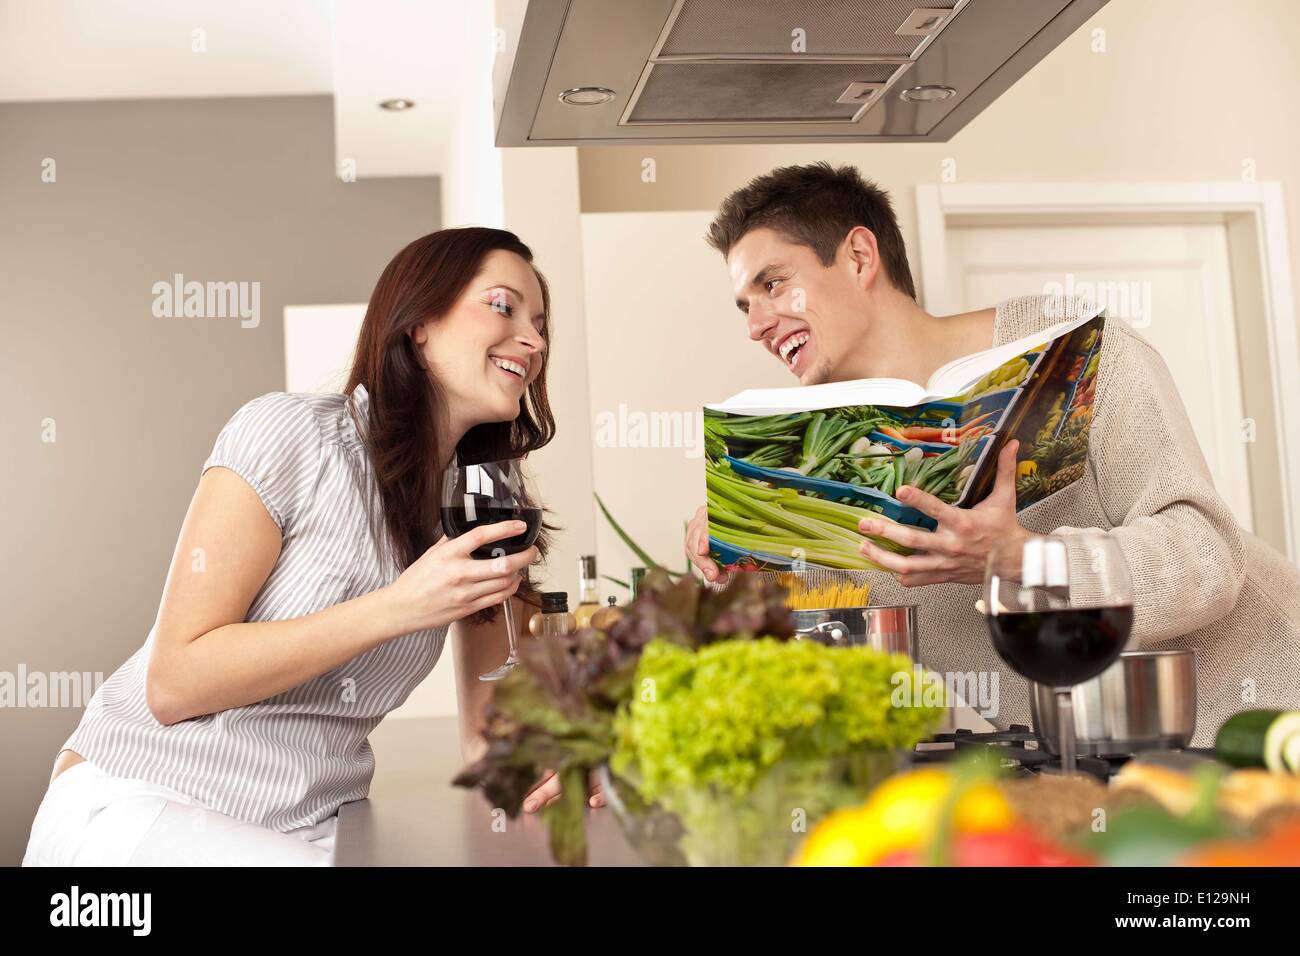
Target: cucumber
{"x":1261,"y":738}
{"x":1291,"y":754}
{"x":1282,"y":731}
{"x":1240,"y":741}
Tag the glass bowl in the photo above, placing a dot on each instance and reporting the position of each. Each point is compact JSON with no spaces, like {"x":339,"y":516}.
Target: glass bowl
{"x":713,"y":826}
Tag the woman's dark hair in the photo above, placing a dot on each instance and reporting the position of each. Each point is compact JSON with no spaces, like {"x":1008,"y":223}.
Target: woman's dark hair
{"x":815,"y":206}
{"x":403,"y":434}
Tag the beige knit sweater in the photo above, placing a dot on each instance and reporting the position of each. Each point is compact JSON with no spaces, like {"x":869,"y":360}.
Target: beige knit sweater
{"x":1200,"y":580}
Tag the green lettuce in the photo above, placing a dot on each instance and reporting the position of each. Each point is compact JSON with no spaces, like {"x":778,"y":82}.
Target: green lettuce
{"x":745,"y":740}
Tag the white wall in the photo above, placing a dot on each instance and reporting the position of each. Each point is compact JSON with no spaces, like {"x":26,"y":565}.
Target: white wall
{"x":471,"y":185}
{"x":541,"y":203}
{"x":318,"y":344}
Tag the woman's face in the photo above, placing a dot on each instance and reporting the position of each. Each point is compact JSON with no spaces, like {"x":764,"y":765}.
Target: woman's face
{"x":487,"y":349}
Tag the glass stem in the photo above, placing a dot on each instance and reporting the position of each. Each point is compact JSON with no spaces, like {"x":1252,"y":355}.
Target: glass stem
{"x":509,"y":607}
{"x":1065,"y":716}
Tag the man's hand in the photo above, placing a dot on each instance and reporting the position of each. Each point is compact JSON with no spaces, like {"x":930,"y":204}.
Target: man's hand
{"x":697,"y":547}
{"x":957,"y":550}
{"x":548,"y":790}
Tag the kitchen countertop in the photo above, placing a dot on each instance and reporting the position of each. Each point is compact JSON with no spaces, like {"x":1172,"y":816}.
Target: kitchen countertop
{"x":415,"y":817}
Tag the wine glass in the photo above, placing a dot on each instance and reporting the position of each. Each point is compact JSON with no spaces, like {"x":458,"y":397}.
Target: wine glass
{"x":1059,"y":611}
{"x":483,"y":494}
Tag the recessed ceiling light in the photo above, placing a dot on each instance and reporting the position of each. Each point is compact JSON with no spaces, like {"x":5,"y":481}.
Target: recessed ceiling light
{"x":397,"y":104}
{"x":927,"y":94}
{"x":587,"y":96}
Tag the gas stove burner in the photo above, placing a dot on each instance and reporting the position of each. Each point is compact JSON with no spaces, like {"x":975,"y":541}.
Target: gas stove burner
{"x":1015,"y":749}
{"x":1016,"y":733}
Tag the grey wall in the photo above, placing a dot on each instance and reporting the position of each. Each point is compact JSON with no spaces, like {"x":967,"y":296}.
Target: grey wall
{"x":219,"y":190}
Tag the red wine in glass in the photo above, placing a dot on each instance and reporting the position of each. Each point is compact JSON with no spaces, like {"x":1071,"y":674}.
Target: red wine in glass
{"x":468,"y":516}
{"x":1061,"y":648}
{"x":1059,"y":610}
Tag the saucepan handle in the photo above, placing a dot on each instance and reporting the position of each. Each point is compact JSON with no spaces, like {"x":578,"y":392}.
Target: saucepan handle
{"x":835,"y":632}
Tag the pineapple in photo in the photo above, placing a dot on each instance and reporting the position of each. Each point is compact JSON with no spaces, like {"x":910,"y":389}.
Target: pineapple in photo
{"x":1060,"y":461}
{"x":1030,"y":487}
{"x":1057,"y":453}
{"x":1064,"y":477}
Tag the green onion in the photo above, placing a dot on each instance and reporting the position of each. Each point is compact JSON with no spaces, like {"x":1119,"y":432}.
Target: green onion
{"x":843,"y":557}
{"x":783,"y":522}
{"x":826,"y":437}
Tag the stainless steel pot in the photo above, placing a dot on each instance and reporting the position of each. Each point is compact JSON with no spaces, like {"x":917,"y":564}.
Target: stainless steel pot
{"x":891,"y":629}
{"x":1145,"y":700}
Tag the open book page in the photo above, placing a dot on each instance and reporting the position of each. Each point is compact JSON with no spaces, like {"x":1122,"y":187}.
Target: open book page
{"x":790,"y":473}
{"x":959,"y":374}
{"x":795,"y":398}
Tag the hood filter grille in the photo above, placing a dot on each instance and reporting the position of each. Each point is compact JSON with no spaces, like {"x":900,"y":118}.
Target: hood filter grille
{"x":737,"y":62}
{"x":705,"y":28}
{"x":743,"y":92}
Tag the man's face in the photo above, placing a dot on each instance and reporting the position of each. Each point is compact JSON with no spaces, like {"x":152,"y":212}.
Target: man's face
{"x":809,"y":316}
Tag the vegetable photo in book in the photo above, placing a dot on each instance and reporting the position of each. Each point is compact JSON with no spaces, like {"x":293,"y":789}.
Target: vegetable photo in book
{"x":790,"y":472}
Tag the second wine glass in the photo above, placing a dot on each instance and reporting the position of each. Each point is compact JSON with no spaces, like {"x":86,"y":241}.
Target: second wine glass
{"x":1059,"y":613}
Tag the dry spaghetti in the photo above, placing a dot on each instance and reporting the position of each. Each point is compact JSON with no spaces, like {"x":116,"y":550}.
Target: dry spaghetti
{"x":803,"y":597}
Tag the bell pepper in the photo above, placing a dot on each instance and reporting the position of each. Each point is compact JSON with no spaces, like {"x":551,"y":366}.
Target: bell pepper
{"x":1016,"y":846}
{"x":904,"y":813}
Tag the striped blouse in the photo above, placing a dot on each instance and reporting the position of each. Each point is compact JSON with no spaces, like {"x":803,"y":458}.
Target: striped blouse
{"x":292,"y":759}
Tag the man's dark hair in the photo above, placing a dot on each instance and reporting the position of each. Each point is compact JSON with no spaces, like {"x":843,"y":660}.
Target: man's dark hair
{"x":815,"y":206}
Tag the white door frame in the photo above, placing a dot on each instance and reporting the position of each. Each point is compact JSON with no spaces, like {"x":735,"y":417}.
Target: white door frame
{"x":939,"y":206}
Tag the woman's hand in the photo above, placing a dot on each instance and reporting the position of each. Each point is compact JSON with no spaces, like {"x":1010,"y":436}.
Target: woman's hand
{"x":957,"y":550}
{"x":445,"y":584}
{"x":548,"y":791}
{"x":697,"y":547}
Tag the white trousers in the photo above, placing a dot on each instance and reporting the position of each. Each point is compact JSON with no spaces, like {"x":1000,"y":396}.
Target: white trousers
{"x":89,"y":818}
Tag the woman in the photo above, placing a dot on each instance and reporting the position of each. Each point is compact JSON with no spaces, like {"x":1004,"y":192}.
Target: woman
{"x":309,"y":592}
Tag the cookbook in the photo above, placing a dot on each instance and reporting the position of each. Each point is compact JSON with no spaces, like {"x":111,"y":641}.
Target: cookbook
{"x":790,"y":472}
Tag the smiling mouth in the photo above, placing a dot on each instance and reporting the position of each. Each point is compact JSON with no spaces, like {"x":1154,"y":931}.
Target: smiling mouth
{"x":509,"y":367}
{"x":792,"y":347}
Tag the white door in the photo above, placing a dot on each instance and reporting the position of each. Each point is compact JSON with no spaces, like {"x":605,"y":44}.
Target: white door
{"x":1170,"y":281}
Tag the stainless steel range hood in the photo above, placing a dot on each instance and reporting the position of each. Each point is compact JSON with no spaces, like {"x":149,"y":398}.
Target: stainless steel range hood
{"x":604,"y":72}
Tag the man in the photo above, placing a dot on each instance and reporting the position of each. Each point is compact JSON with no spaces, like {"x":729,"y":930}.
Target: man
{"x":819,"y":268}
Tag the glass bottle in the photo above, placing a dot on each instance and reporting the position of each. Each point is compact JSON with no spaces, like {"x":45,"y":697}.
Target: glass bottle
{"x":636,"y":576}
{"x":555,"y":616}
{"x":588,"y":591}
